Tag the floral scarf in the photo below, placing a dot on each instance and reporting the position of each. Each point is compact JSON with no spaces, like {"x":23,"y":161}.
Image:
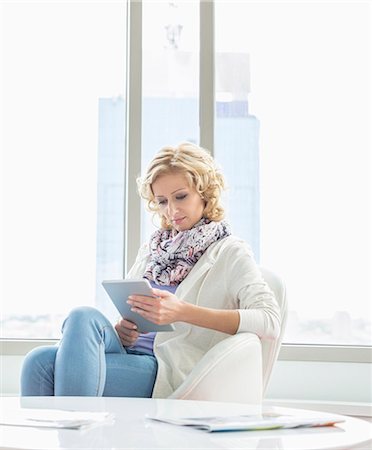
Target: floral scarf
{"x":174,"y":253}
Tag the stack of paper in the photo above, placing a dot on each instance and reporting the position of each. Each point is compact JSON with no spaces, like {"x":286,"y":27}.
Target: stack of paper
{"x":239,"y":423}
{"x":53,"y":418}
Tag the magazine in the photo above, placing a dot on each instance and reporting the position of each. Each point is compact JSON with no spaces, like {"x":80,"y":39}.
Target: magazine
{"x":53,"y":418}
{"x":267,"y":421}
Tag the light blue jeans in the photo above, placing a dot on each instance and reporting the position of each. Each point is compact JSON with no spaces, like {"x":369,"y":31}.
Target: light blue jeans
{"x":89,"y":361}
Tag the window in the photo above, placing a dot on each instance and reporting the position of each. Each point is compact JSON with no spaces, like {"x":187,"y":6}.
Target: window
{"x":63,"y":121}
{"x":300,"y":88}
{"x":170,"y":81}
{"x":291,"y":131}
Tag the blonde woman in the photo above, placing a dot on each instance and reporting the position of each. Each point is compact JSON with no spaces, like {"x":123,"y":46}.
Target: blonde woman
{"x":205,"y":280}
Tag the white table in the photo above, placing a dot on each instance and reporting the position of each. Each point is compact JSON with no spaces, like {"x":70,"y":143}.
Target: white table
{"x":132,"y":430}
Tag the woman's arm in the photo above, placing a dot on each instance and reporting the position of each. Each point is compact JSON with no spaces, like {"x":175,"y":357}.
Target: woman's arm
{"x":257,"y":310}
{"x":223,"y":320}
{"x":167,"y":308}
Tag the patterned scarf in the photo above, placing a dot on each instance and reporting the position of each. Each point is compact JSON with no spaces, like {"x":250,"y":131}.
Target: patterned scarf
{"x":174,"y":253}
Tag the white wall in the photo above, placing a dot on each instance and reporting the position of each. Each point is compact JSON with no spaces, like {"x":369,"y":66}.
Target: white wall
{"x":321,"y":381}
{"x":10,"y":366}
{"x":304,"y":381}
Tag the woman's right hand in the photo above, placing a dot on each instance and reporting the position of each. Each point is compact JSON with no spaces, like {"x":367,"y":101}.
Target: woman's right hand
{"x":127,"y":332}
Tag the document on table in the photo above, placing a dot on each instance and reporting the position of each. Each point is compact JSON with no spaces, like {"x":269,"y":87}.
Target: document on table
{"x":53,"y":418}
{"x":249,"y":423}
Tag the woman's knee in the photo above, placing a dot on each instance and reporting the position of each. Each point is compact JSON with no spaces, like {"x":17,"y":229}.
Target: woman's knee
{"x":84,"y":318}
{"x":82,"y":314}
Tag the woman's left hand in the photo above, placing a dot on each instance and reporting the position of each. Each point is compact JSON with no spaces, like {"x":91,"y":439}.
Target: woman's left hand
{"x":165,"y":308}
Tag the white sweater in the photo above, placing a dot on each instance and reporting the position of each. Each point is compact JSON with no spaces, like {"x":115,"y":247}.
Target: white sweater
{"x":225,"y":277}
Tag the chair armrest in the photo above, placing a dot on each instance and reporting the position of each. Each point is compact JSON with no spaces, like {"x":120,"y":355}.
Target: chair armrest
{"x":231,"y":371}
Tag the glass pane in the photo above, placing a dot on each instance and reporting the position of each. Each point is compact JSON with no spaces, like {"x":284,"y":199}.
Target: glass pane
{"x":309,"y":72}
{"x":63,"y":84}
{"x":170,"y":111}
{"x":236,"y":145}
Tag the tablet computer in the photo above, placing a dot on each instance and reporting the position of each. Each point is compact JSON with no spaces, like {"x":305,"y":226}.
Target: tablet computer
{"x":120,"y":290}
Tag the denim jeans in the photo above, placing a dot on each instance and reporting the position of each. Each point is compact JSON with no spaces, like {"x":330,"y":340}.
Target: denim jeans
{"x":89,"y":361}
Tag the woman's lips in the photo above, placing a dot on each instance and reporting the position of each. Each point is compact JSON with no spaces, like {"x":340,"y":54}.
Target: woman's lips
{"x":178,"y":221}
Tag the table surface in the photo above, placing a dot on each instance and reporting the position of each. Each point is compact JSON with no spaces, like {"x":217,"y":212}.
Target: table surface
{"x":132,"y":430}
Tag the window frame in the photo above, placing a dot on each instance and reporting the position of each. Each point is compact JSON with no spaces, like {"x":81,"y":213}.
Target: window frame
{"x":289,"y":352}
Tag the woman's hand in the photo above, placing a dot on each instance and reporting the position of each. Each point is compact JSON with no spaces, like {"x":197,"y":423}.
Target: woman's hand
{"x":127,"y":332}
{"x":165,"y":308}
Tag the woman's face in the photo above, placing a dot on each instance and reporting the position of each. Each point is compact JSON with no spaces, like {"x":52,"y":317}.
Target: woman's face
{"x":179,"y":202}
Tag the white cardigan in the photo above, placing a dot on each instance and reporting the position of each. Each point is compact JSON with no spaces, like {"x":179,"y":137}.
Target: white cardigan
{"x":225,"y":277}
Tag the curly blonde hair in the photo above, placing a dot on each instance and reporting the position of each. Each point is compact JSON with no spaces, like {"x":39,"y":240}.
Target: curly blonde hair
{"x":199,"y":168}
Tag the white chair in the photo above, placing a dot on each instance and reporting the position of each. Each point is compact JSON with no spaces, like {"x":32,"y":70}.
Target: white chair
{"x":238,"y":368}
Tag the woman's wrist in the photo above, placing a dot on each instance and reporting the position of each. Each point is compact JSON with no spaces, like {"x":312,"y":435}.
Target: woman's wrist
{"x":187,"y":312}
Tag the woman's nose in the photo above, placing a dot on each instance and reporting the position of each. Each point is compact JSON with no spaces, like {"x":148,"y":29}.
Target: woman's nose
{"x":172,"y":208}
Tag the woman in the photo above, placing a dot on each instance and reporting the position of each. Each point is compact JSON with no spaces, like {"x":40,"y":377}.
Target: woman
{"x":205,"y":280}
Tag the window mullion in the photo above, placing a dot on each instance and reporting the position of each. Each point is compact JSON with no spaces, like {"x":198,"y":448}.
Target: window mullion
{"x":207,"y":74}
{"x":132,"y":210}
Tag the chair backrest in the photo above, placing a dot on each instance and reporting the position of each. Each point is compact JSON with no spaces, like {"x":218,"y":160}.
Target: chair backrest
{"x":271,"y":347}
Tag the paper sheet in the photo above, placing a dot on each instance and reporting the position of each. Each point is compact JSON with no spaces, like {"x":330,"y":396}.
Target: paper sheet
{"x":53,"y":418}
{"x":240,"y":423}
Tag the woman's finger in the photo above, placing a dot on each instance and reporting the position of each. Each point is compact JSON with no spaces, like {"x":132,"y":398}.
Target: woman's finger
{"x":125,"y":323}
{"x":140,"y":299}
{"x":142,"y":306}
{"x":128,"y":337}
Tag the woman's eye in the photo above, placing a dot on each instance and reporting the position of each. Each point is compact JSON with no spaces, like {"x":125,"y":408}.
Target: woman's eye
{"x":181,"y":197}
{"x":161,"y":202}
